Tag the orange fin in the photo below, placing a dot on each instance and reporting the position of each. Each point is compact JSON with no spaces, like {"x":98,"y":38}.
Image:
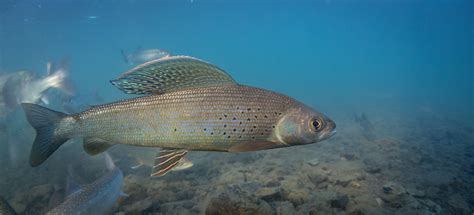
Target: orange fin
{"x":254,"y":146}
{"x":166,"y":160}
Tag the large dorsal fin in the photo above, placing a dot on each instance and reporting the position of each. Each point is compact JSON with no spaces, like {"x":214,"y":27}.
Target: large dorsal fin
{"x":171,"y":74}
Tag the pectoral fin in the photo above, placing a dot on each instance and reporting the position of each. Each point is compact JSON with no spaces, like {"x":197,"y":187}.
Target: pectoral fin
{"x":254,"y":146}
{"x":171,"y":74}
{"x":95,"y":146}
{"x":167,"y":160}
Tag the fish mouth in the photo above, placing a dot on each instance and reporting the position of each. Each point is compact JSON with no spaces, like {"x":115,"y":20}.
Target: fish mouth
{"x":328,"y":134}
{"x":332,"y":133}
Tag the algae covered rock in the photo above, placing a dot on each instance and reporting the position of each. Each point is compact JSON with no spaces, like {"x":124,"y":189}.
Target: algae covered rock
{"x":234,"y":200}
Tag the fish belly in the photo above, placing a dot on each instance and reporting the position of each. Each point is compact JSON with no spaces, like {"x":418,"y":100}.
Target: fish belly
{"x":210,"y":118}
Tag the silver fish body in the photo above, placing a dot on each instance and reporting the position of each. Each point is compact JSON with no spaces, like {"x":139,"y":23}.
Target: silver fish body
{"x":212,"y":118}
{"x":94,"y":198}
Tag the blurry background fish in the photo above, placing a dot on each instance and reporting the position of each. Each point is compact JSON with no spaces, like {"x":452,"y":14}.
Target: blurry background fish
{"x":26,"y":86}
{"x":143,"y":55}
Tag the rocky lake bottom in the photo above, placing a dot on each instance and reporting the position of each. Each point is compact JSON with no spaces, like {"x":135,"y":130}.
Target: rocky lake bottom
{"x":374,"y":165}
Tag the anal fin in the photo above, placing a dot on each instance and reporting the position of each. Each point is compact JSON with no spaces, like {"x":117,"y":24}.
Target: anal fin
{"x":166,"y":160}
{"x":95,"y":146}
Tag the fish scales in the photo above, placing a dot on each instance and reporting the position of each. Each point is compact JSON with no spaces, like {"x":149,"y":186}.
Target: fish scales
{"x":211,"y":118}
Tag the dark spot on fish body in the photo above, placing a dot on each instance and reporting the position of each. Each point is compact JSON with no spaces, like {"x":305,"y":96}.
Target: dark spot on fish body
{"x":235,"y":130}
{"x":225,"y":125}
{"x":175,"y":129}
{"x":234,"y":118}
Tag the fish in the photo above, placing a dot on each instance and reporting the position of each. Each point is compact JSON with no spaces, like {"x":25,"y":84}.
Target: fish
{"x":94,"y":198}
{"x":187,"y":104}
{"x":25,"y":86}
{"x":140,"y":55}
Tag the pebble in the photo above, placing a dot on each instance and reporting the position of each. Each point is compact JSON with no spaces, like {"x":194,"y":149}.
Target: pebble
{"x":313,"y":162}
{"x":340,"y":202}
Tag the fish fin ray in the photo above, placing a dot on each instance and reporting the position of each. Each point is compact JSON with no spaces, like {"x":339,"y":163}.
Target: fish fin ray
{"x":167,"y":160}
{"x":253,"y":146}
{"x":183,"y":164}
{"x":93,"y":145}
{"x":171,"y":74}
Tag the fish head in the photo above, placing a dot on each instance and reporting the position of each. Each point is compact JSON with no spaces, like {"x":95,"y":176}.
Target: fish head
{"x":303,"y":125}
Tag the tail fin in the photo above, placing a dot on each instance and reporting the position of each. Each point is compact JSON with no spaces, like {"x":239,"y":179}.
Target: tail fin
{"x":45,"y":122}
{"x":5,"y":208}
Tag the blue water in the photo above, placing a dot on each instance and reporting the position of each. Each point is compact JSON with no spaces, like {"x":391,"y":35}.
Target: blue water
{"x":398,"y":61}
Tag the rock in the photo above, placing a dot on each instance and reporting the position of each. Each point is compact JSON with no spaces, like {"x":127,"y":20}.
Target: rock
{"x":235,"y":200}
{"x":346,"y":179}
{"x":34,"y":200}
{"x":317,"y":180}
{"x":170,"y":207}
{"x":430,"y":205}
{"x":139,"y":206}
{"x":415,"y":192}
{"x":340,"y":202}
{"x":379,"y":201}
{"x":348,"y":157}
{"x":394,"y":194}
{"x":355,"y":184}
{"x":293,"y":190}
{"x":371,"y":166}
{"x":297,"y":197}
{"x":458,"y":204}
{"x":313,"y":162}
{"x":356,"y":212}
{"x":283,"y":208}
{"x":269,"y":194}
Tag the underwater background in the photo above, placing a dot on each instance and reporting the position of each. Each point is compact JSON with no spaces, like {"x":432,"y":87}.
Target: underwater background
{"x":397,"y":77}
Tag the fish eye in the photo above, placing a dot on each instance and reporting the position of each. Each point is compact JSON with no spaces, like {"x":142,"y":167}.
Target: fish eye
{"x":316,"y":124}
